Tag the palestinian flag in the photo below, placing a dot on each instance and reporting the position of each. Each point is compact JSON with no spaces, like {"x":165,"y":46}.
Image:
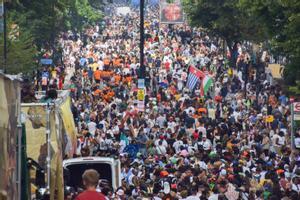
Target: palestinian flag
{"x":207,"y":82}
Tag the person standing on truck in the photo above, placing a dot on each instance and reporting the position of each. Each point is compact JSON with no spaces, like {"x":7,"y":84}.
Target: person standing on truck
{"x":90,"y":179}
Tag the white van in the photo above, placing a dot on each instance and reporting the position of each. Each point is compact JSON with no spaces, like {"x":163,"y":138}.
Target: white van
{"x":108,"y":168}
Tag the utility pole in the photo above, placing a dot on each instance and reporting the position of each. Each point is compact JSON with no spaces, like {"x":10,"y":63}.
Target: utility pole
{"x":4,"y":38}
{"x":292,"y":128}
{"x":142,"y":40}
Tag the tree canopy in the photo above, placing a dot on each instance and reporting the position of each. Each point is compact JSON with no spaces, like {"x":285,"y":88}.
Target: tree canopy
{"x":224,"y":19}
{"x":40,"y":23}
{"x":276,"y":22}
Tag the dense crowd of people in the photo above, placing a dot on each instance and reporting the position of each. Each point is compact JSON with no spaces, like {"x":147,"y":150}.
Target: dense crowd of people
{"x":232,"y":143}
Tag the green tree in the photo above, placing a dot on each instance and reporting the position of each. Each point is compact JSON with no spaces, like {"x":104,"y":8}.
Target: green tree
{"x":21,"y":53}
{"x":281,"y":18}
{"x":40,"y":24}
{"x":225,"y":19}
{"x":46,"y":19}
{"x":81,"y":14}
{"x":97,"y":4}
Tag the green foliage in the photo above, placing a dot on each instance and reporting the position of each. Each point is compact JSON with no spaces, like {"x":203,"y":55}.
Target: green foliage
{"x":292,"y":72}
{"x":20,"y":53}
{"x":282,"y":20}
{"x":81,"y":13}
{"x":97,"y":4}
{"x":276,"y":22}
{"x":40,"y":23}
{"x":46,"y":19}
{"x":86,"y":11}
{"x":224,"y":19}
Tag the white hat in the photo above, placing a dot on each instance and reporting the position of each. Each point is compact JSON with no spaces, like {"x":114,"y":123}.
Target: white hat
{"x":223,"y":172}
{"x":120,"y":192}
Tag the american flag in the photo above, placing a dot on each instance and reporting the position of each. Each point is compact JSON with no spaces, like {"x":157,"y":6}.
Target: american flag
{"x":194,"y":76}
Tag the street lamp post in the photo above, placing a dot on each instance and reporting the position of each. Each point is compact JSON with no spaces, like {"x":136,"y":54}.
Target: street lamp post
{"x":4,"y":36}
{"x":142,"y":39}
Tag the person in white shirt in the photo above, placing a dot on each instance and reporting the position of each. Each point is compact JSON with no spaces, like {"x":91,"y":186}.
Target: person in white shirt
{"x":201,"y":129}
{"x":161,"y":149}
{"x":205,"y":143}
{"x":172,"y":125}
{"x":92,"y":127}
{"x":177,"y":144}
{"x":161,"y":121}
{"x":217,"y":89}
{"x":161,"y":139}
{"x":297,"y":140}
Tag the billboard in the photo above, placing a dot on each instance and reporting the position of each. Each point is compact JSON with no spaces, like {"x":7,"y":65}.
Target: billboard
{"x":171,"y":12}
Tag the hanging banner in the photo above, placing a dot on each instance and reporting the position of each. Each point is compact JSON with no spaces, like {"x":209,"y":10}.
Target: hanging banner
{"x":69,"y":127}
{"x":171,"y":12}
{"x":36,"y":133}
{"x":56,"y":178}
{"x":36,"y":144}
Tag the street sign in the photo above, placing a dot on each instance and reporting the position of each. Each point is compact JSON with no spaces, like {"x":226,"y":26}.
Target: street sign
{"x":296,"y":111}
{"x":44,"y":61}
{"x":141,"y":83}
{"x":141,"y":95}
{"x":297,"y":107}
{"x":141,"y":106}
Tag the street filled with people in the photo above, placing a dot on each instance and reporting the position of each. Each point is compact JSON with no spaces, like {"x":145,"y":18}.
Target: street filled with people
{"x":227,"y":136}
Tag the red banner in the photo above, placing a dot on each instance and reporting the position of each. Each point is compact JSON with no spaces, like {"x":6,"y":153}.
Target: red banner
{"x":171,"y":12}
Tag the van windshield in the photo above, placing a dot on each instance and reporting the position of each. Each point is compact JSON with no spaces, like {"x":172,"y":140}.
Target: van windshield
{"x":73,"y":177}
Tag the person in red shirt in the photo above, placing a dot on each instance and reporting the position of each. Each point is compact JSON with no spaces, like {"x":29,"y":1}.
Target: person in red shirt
{"x":90,"y":179}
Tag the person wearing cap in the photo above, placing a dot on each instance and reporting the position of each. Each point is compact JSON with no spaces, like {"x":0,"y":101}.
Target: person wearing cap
{"x":120,"y":195}
{"x":90,"y":179}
